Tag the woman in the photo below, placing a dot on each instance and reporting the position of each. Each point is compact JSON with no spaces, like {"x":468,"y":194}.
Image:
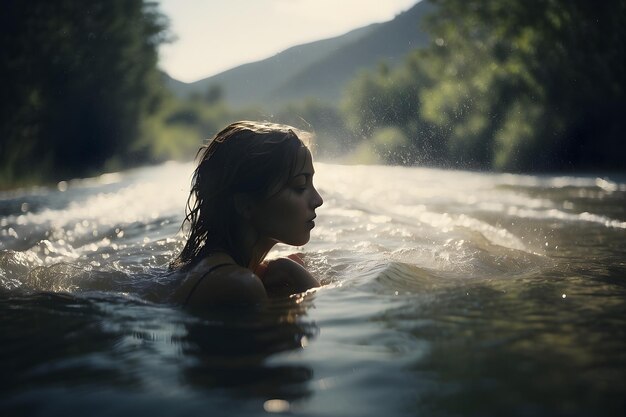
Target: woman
{"x":252,"y":188}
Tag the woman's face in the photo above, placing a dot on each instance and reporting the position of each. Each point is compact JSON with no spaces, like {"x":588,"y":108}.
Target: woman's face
{"x":287,"y":216}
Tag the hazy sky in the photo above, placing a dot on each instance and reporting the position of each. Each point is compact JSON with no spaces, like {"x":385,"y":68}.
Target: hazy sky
{"x":215,"y":35}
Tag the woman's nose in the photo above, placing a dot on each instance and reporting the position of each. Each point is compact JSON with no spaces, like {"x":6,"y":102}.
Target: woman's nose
{"x":316,"y":200}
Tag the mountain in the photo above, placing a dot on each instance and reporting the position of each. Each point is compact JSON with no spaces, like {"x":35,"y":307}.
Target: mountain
{"x":318,"y":69}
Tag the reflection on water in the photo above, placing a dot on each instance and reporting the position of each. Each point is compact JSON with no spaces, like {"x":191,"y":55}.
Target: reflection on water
{"x":230,"y":351}
{"x":532,"y":345}
{"x":93,"y":343}
{"x":447,"y":293}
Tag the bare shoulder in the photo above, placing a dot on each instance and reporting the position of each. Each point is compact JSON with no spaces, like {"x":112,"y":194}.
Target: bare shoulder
{"x":224,"y":284}
{"x":284,"y":276}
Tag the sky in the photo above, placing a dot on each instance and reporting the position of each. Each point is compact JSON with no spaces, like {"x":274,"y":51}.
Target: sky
{"x":215,"y":35}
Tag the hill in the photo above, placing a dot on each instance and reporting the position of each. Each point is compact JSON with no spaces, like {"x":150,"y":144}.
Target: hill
{"x":318,"y":69}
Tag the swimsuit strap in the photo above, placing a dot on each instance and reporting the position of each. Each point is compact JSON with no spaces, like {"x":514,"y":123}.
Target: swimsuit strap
{"x":201,"y":278}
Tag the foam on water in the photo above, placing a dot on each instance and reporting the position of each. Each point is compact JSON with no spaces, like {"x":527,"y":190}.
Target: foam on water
{"x":123,"y":228}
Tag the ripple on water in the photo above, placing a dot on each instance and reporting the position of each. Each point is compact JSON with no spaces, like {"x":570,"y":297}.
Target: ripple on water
{"x":448,"y":293}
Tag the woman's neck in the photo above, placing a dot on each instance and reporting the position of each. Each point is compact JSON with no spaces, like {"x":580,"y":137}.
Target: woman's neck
{"x":248,"y":250}
{"x":257,"y":252}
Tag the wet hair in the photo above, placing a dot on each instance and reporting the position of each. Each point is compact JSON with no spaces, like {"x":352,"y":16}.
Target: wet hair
{"x":252,"y":158}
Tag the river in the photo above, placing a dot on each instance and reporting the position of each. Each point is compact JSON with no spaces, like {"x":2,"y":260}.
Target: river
{"x":445,"y":293}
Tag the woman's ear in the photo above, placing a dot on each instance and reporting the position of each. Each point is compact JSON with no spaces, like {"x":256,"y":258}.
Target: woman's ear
{"x":244,"y":204}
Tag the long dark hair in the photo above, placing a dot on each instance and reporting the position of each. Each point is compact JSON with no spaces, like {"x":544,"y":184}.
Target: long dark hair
{"x":253,"y":158}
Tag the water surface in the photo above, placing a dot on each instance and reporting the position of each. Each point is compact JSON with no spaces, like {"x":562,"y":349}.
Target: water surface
{"x":446,"y":293}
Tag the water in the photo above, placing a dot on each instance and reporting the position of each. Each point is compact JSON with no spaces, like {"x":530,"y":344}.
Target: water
{"x":446,"y":293}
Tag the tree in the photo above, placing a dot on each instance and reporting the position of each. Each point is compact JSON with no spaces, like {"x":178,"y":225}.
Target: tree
{"x":78,"y":78}
{"x":377,"y":104}
{"x":533,"y":85}
{"x":516,"y":85}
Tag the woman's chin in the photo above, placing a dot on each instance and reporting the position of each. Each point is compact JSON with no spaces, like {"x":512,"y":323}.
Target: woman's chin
{"x":299,"y":242}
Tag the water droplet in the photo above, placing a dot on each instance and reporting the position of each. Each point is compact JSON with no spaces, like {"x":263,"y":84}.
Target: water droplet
{"x":276,"y":406}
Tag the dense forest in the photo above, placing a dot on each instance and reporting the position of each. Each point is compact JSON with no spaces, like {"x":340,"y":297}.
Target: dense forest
{"x":512,"y":85}
{"x":78,"y":79}
{"x":531,"y":85}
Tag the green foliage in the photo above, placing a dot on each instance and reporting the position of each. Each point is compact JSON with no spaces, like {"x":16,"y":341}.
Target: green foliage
{"x":515,"y":80}
{"x":517,"y":140}
{"x":178,"y":129}
{"x":391,"y":98}
{"x":392,"y":145}
{"x":508,"y":85}
{"x":387,"y":145}
{"x":363,"y":154}
{"x":516,"y":85}
{"x":332,"y":137}
{"x":78,"y":78}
